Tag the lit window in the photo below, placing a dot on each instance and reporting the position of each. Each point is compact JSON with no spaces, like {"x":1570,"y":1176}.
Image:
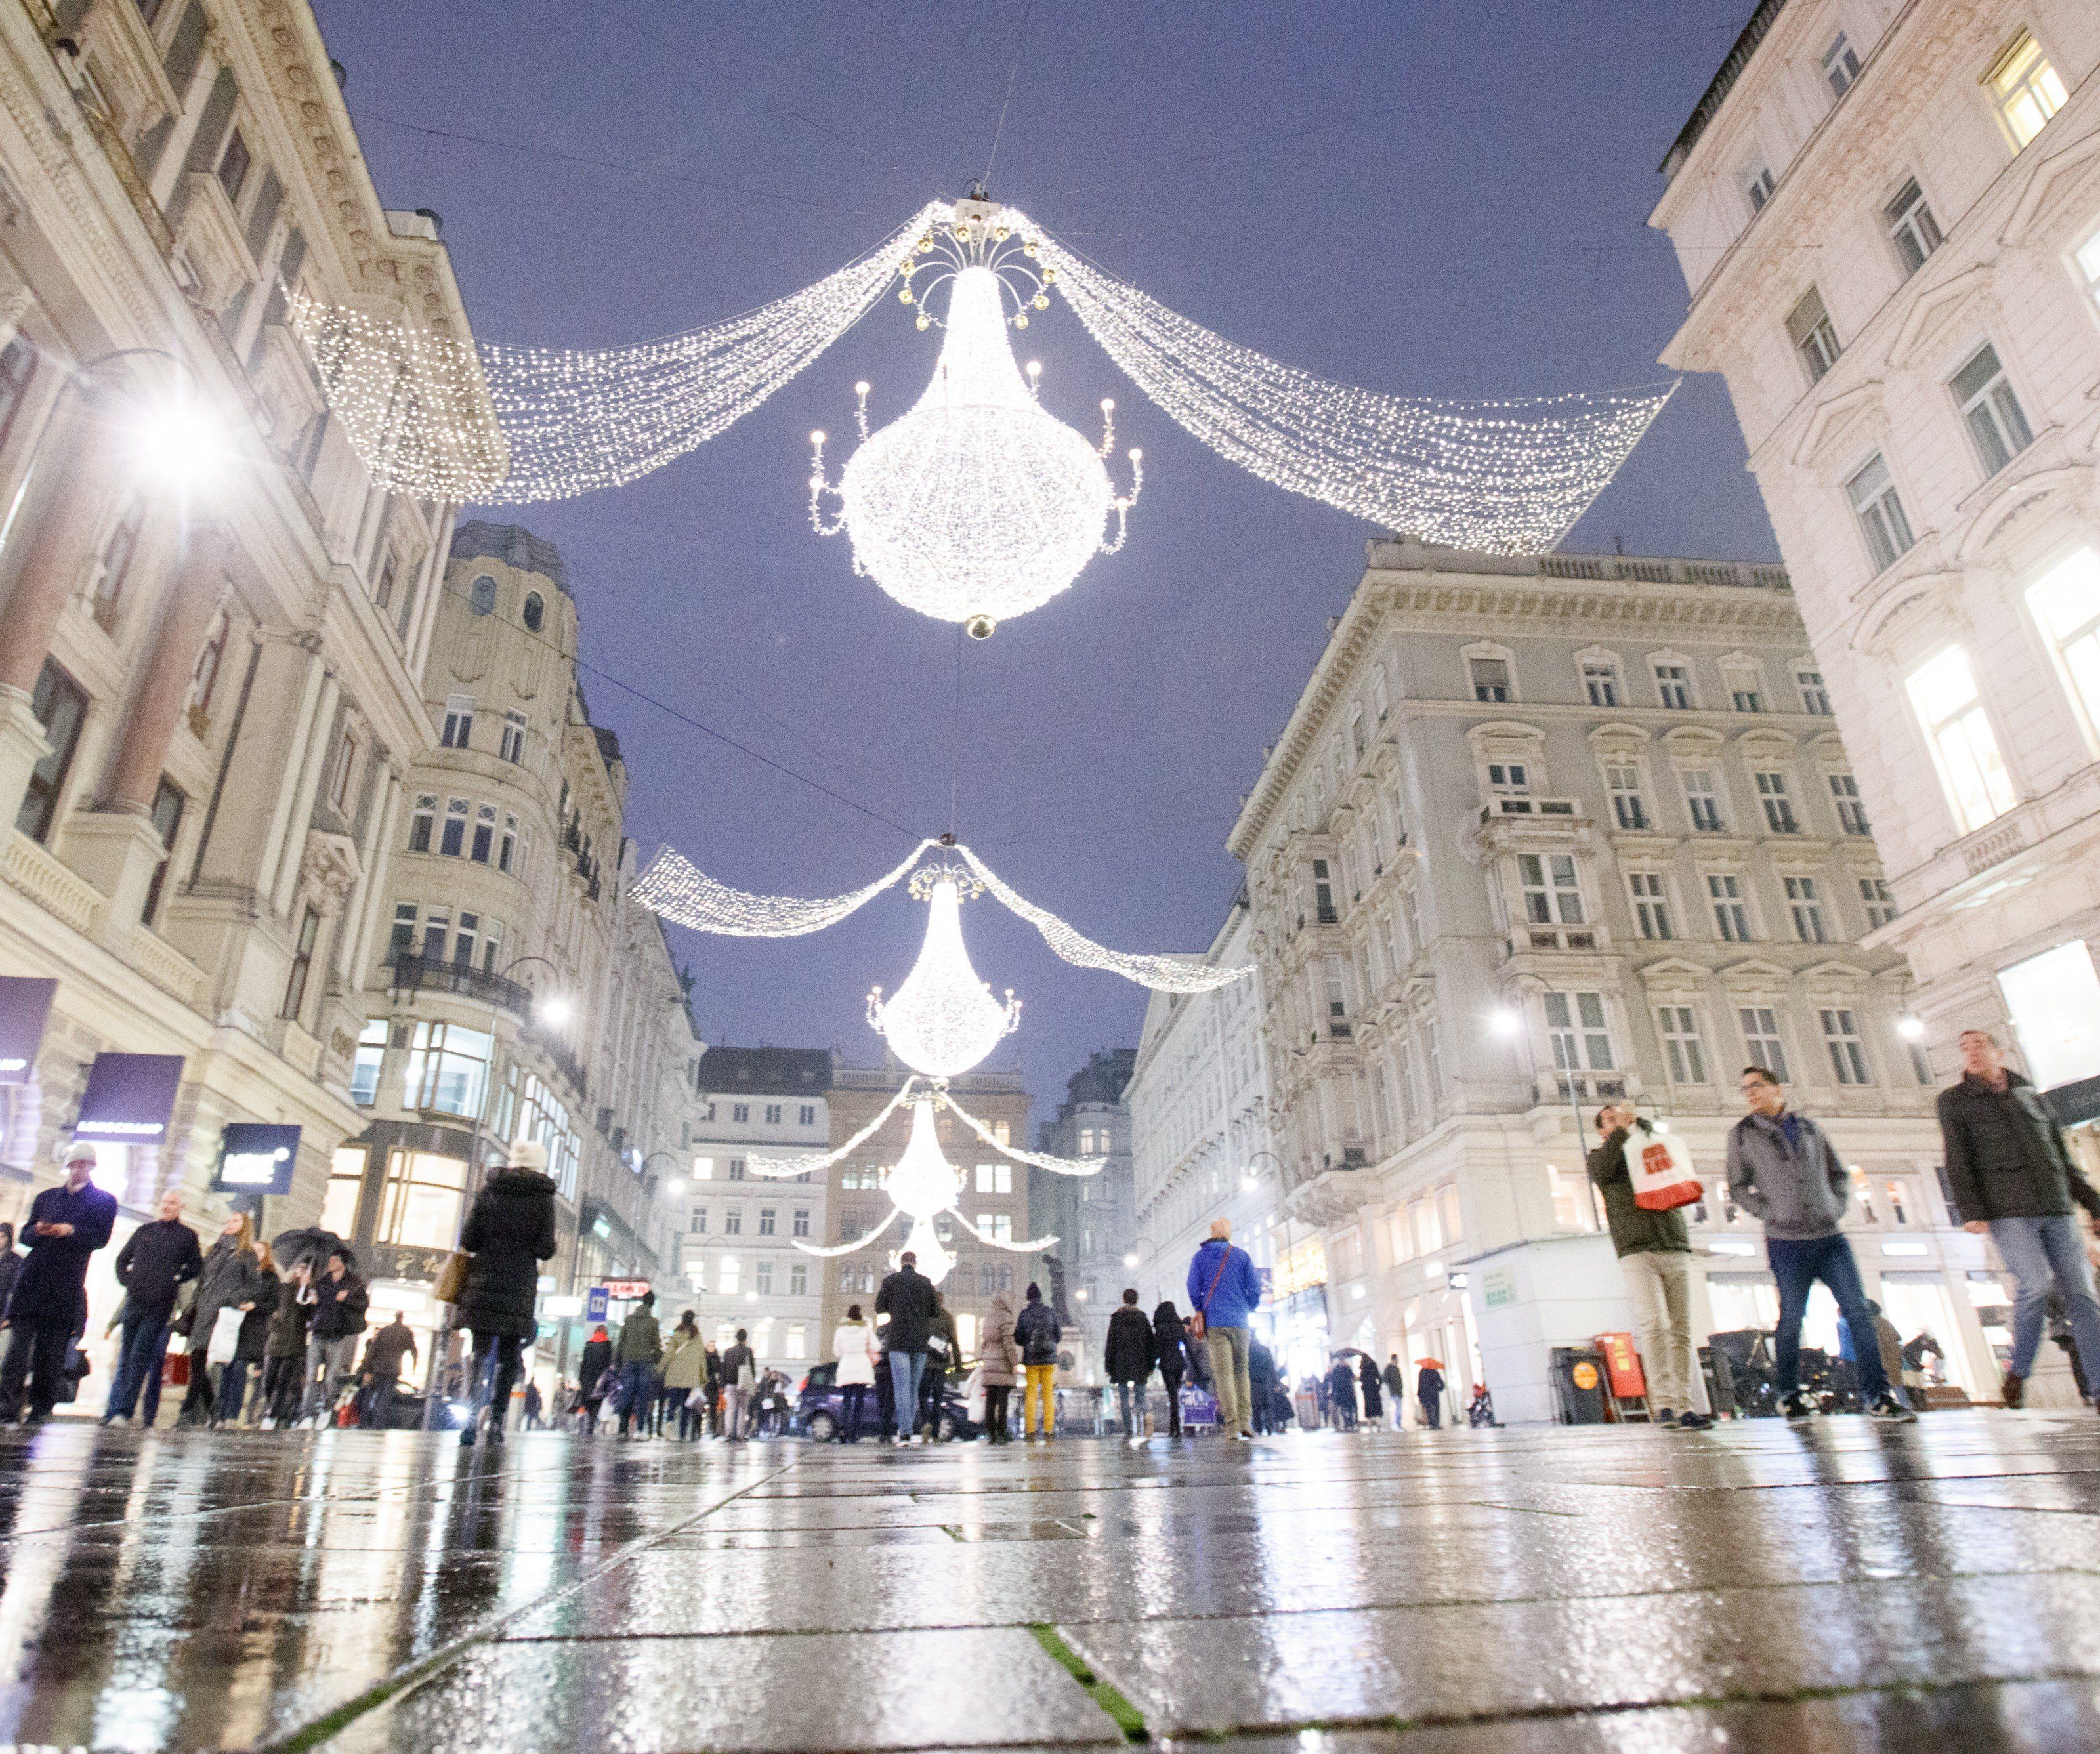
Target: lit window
{"x":1880,"y":905}
{"x":1876,"y":504}
{"x":1851,"y":813}
{"x":996,"y":1226}
{"x":1912,"y":228}
{"x":1814,"y":341}
{"x":1996,"y":421}
{"x":1964,"y":747}
{"x":448,"y":1069}
{"x":421,"y":1206}
{"x":1760,"y":1039}
{"x":1840,"y":1035}
{"x":1841,"y":66}
{"x":1491,"y":678}
{"x":1778,"y":805}
{"x":1804,"y":901}
{"x":703,"y":1169}
{"x":2027,"y":88}
{"x":1702,"y":800}
{"x":994,"y":1178}
{"x":1758,"y":184}
{"x":1681,"y":1041}
{"x":1732,"y":913}
{"x":1650,"y":904}
{"x":1600,"y":681}
{"x":798,"y":1333}
{"x":1815,"y":697}
{"x":729,"y":1275}
{"x":1673,"y":686}
{"x":2066,"y":601}
{"x":364,"y":1070}
{"x":1622,"y":779}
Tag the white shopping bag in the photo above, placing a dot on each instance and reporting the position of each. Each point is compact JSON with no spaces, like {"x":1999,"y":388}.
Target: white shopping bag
{"x":1660,"y":1169}
{"x":225,"y":1335}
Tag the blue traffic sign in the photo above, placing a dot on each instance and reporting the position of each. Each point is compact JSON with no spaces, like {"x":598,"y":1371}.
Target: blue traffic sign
{"x":598,"y":1303}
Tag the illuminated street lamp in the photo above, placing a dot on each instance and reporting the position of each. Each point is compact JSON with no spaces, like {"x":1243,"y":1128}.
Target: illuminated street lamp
{"x":1911,"y":1029}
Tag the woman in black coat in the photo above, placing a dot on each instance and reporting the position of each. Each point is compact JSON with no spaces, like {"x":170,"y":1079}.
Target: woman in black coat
{"x":508,"y":1233}
{"x":1367,"y":1374}
{"x":250,"y":1343}
{"x":1170,"y":1339}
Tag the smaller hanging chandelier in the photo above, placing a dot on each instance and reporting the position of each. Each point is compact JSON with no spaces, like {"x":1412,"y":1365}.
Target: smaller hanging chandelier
{"x":943,"y":1020}
{"x":923,"y":1185}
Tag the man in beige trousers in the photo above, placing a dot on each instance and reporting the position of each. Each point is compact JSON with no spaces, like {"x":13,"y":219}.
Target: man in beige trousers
{"x":1654,"y":1259}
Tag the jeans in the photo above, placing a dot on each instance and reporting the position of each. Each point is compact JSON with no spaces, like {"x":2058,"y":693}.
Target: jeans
{"x":500,"y":1352}
{"x":907,"y":1370}
{"x":232,"y":1389}
{"x":1038,"y":1399}
{"x":1796,"y":1265}
{"x":736,"y":1414}
{"x":2042,"y":1252}
{"x":851,"y":1395}
{"x":281,"y":1388}
{"x":1130,"y":1397}
{"x":1171,"y":1381}
{"x":37,"y":1351}
{"x":143,"y":1330}
{"x":329,"y":1363}
{"x":1227,"y":1347}
{"x":1659,"y":1282}
{"x":637,"y":1394}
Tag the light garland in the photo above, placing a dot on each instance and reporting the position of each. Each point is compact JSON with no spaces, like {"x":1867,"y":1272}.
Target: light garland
{"x":943,"y":1020}
{"x":807,"y":1163}
{"x":1041,"y":1160}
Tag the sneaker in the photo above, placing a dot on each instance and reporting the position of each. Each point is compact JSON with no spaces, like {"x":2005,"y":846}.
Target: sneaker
{"x":1692,"y":1421}
{"x":1665,"y":1418}
{"x":267,"y":1424}
{"x":1796,"y":1407}
{"x":1242,"y":1437}
{"x":467,"y":1437}
{"x":2014,"y":1390}
{"x":1895,"y":1412}
{"x":1137,"y":1442}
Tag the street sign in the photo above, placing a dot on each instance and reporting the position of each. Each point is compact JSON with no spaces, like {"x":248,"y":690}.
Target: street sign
{"x":626,"y":1289}
{"x":597,"y":1303}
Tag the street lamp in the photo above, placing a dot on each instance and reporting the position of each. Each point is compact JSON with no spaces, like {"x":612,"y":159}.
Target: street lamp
{"x":1250,"y":1182}
{"x":1911,"y":1029}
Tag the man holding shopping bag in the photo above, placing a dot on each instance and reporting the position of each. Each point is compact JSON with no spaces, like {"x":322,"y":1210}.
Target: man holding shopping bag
{"x":1654,"y":1253}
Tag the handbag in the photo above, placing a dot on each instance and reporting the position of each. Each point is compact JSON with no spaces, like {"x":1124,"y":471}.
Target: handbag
{"x":452,"y":1278}
{"x":224,"y":1337}
{"x":1196,"y":1322}
{"x":1661,"y":1171}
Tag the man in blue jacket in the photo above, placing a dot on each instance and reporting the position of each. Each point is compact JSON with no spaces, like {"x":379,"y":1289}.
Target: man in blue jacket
{"x":66,"y":1224}
{"x":1226,"y":1291}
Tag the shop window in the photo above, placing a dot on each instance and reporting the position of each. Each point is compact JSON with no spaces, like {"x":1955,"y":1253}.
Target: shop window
{"x":422,"y":1202}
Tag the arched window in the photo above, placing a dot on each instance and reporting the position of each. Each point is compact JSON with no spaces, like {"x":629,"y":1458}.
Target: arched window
{"x":536,"y":611}
{"x":481,"y":595}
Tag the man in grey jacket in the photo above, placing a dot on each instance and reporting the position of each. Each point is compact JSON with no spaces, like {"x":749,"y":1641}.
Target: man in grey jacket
{"x":1781,"y":1168}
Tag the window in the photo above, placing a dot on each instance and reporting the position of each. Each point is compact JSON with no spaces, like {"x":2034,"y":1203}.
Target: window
{"x":1758,"y":184}
{"x":437,"y":929}
{"x":1552,"y":893}
{"x":699,"y":1221}
{"x":422,"y":821}
{"x":773,"y":1114}
{"x":729,"y":1277}
{"x":1840,"y":1035}
{"x":1760,"y":1039}
{"x":1702,"y":801}
{"x":1509,"y":779}
{"x":1650,"y":904}
{"x":1815,"y":341}
{"x":481,"y":595}
{"x":2089,"y":267}
{"x":447,"y":1070}
{"x":736,"y":1169}
{"x":1880,"y":905}
{"x":761,"y":1277}
{"x":506,"y":850}
{"x":401,"y":941}
{"x":18,"y":366}
{"x":1622,"y":778}
{"x":464,"y":940}
{"x":703,"y":1168}
{"x":1841,"y":66}
{"x":511,"y":746}
{"x":1815,"y":697}
{"x":1600,"y":681}
{"x":1337,"y":1014}
{"x":483,"y":847}
{"x":1851,"y":812}
{"x":451,"y":841}
{"x":1673,"y":686}
{"x":739,"y":1114}
{"x":994,"y":1178}
{"x":1804,"y":902}
{"x":1681,"y":1042}
{"x":345,"y":760}
{"x":806,"y":1116}
{"x":1879,"y":511}
{"x":60,"y":707}
{"x":1996,"y":422}
{"x":1912,"y":228}
{"x":536,"y":611}
{"x":799,"y":1225}
{"x":733,"y":1221}
{"x":769,"y":1221}
{"x":458,"y":727}
{"x":390,"y":572}
{"x":420,"y":1205}
{"x":1778,"y":805}
{"x":1943,"y":691}
{"x":798,"y":1286}
{"x":2065,"y":601}
{"x":233,"y":164}
{"x":1732,"y":913}
{"x":204,"y":674}
{"x":168,"y":801}
{"x":996,"y":1226}
{"x":364,"y":1069}
{"x":2026,"y":89}
{"x":113,"y":565}
{"x":345,"y":1185}
{"x":1575,"y":1021}
{"x":1491,"y":678}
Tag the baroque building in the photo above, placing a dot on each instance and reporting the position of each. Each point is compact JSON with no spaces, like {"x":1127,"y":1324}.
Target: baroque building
{"x":1093,"y":1217}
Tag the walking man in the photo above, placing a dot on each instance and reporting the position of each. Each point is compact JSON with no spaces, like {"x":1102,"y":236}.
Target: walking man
{"x":739,"y":1379}
{"x":1396,"y":1389}
{"x":641,"y":1344}
{"x":66,"y":1225}
{"x":384,"y":1354}
{"x":1130,"y":1354}
{"x":1655,"y":1261}
{"x":1038,"y":1331}
{"x":1783,"y":1171}
{"x":152,"y":1267}
{"x":2013,"y":1178}
{"x":906,"y":1298}
{"x":339,"y":1299}
{"x":1226,"y":1292}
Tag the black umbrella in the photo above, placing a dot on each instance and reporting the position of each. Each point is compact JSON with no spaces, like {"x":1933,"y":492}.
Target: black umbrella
{"x":311,"y":1244}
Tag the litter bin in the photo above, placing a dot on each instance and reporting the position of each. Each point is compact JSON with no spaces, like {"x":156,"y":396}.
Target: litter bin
{"x":1578,"y":1385}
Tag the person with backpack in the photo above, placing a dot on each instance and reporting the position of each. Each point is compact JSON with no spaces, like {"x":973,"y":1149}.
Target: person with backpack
{"x":1038,"y":1331}
{"x":1655,"y":1261}
{"x":1129,"y":1355}
{"x":338,"y":1300}
{"x":906,"y":1298}
{"x":739,"y":1378}
{"x":1169,"y":1347}
{"x":1226,"y":1292}
{"x":944,"y":1357}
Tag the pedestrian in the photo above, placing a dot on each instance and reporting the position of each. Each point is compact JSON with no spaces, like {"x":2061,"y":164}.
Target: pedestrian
{"x":157,"y":1260}
{"x":49,"y":1303}
{"x":944,"y":1354}
{"x":712,"y":1405}
{"x":534,"y":1405}
{"x":1783,"y":1170}
{"x":906,"y":1298}
{"x":1261,"y":1383}
{"x":853,"y":1344}
{"x":1129,"y":1354}
{"x":685,"y":1369}
{"x":1001,"y":1365}
{"x":1429,"y":1392}
{"x":339,"y":1299}
{"x":251,"y":1343}
{"x":384,"y":1354}
{"x":230,"y":1280}
{"x":1170,"y":1341}
{"x":641,"y":1346}
{"x":285,"y":1349}
{"x":2012,"y":1177}
{"x":739,"y":1378}
{"x":1038,"y":1330}
{"x":593,"y":1366}
{"x":1655,"y":1264}
{"x":1199,"y":1355}
{"x":1226,"y":1291}
{"x":1342,"y":1393}
{"x":10,"y":1263}
{"x":1890,"y":1343}
{"x":1279,"y":1407}
{"x":1367,"y":1377}
{"x":510,"y":1231}
{"x":1395,"y":1380}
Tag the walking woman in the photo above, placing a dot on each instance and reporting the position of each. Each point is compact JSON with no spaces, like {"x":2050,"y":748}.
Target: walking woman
{"x":1171,"y":1339}
{"x":231,"y":1279}
{"x":249,"y":1345}
{"x":285,"y":1350}
{"x":508,"y":1233}
{"x":853,"y":1344}
{"x":685,"y":1369}
{"x":1001,"y":1363}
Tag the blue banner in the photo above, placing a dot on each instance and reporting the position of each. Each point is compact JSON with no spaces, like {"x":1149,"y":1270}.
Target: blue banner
{"x":129,"y":1098}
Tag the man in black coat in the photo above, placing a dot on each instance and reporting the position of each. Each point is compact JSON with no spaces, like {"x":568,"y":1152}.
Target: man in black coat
{"x":906,"y":1298}
{"x":1261,"y":1379}
{"x":153,"y":1267}
{"x":66,"y":1225}
{"x":339,"y":1300}
{"x":10,"y":1264}
{"x":1130,"y":1352}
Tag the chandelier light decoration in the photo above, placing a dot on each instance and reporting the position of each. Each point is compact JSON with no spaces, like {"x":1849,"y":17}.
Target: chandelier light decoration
{"x":943,"y":1020}
{"x":976,"y":489}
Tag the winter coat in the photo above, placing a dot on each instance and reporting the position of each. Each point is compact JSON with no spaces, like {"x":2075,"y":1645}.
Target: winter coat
{"x":2005,"y":1156}
{"x":1798,"y":1189}
{"x":1261,"y":1366}
{"x":1367,"y":1377}
{"x":685,"y":1360}
{"x":739,"y":1368}
{"x":389,"y":1348}
{"x":51,"y":1291}
{"x":157,"y":1260}
{"x":287,"y":1326}
{"x":1891,"y":1346}
{"x":1429,"y":1385}
{"x":640,"y":1339}
{"x":339,"y":1306}
{"x":1129,"y":1353}
{"x":944,"y":1343}
{"x":1342,"y":1386}
{"x":1222,"y":1285}
{"x":1038,"y":1332}
{"x":232,"y":1275}
{"x":906,"y":1298}
{"x":596,"y":1361}
{"x":253,"y":1342}
{"x":10,"y":1270}
{"x":1395,"y":1379}
{"x":1635,"y":1229}
{"x":1001,"y":1352}
{"x":1170,"y":1341}
{"x":853,"y":1344}
{"x":509,"y":1231}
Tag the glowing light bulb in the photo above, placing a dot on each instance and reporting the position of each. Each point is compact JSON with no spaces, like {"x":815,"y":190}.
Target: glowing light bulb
{"x":943,"y":1020}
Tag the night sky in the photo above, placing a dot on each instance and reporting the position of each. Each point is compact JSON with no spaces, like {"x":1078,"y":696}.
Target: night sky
{"x":1422,"y":198}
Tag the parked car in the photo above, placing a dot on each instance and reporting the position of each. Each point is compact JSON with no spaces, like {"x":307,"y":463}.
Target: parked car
{"x":820,"y":1407}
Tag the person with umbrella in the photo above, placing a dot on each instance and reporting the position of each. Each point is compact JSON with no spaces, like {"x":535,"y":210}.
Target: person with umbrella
{"x":1429,"y":1392}
{"x":509,"y":1231}
{"x":284,"y":1349}
{"x":66,"y":1225}
{"x":338,"y":1300}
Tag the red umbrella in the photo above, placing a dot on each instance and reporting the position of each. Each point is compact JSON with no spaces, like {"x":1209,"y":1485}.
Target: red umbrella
{"x":1433,"y":1364}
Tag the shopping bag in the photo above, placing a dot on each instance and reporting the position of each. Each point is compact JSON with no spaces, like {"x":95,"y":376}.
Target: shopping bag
{"x":1661,"y":1170}
{"x":452,"y":1278}
{"x":225,"y":1336}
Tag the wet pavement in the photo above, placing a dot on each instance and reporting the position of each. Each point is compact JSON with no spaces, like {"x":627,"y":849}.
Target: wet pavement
{"x":1537,"y":1591}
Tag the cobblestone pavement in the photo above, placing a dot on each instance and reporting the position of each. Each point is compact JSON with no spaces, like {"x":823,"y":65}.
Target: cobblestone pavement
{"x":1843,"y":1586}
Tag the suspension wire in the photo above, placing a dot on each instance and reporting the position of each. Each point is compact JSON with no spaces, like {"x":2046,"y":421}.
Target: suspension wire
{"x":956,"y":740}
{"x":1020,"y":38}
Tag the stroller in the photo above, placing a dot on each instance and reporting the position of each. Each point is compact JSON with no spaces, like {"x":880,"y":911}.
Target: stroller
{"x":1480,"y":1410}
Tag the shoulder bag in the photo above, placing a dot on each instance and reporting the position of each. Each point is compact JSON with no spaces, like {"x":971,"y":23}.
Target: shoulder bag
{"x":1197,"y":1323}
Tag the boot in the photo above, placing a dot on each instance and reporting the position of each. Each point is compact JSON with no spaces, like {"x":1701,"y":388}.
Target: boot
{"x":2014,"y":1390}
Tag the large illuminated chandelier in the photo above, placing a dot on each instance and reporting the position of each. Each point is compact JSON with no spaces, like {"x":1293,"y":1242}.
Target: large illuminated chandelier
{"x":943,"y":1020}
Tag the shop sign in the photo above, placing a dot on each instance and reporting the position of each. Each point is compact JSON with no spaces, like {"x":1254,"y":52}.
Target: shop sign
{"x":626,"y":1289}
{"x":255,"y":1158}
{"x":560,"y":1306}
{"x":1301,"y":1266}
{"x":25,"y":1006}
{"x":1498,"y":1288}
{"x":129,"y":1098}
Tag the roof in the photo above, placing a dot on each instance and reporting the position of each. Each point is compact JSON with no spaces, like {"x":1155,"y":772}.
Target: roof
{"x":1101,"y":1080}
{"x":515,"y":546}
{"x":765,"y":1071}
{"x":1716,"y":93}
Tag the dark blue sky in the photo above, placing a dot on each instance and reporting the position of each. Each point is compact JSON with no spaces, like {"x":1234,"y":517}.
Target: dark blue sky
{"x":1443,"y":198}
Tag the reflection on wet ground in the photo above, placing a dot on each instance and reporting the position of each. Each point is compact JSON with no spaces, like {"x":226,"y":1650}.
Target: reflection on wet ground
{"x":1840,"y":1587}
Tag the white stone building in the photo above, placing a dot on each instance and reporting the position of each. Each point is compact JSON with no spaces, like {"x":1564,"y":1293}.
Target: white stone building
{"x":1093,"y":1216}
{"x":1889,"y":218}
{"x":1540,"y":831}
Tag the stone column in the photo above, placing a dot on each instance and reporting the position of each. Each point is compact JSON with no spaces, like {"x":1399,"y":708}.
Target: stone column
{"x":317,"y":751}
